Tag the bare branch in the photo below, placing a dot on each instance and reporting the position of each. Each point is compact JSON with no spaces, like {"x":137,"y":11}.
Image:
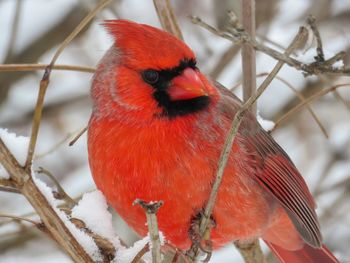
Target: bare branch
{"x":45,"y":42}
{"x":167,"y":18}
{"x":24,"y":216}
{"x":34,"y":67}
{"x":312,"y":23}
{"x":309,"y":100}
{"x":37,"y":224}
{"x":223,"y":61}
{"x":22,"y":176}
{"x":239,"y":36}
{"x":7,"y":183}
{"x":302,"y":99}
{"x":141,"y":253}
{"x":53,"y":148}
{"x":11,"y":165}
{"x":15,"y":23}
{"x":339,"y":97}
{"x":46,"y":79}
{"x":251,"y":251}
{"x":151,"y":211}
{"x":51,"y":220}
{"x":248,"y":52}
{"x":62,"y":195}
{"x":77,"y":136}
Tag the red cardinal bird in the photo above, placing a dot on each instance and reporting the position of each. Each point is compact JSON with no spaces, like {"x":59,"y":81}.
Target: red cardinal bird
{"x":156,"y":132}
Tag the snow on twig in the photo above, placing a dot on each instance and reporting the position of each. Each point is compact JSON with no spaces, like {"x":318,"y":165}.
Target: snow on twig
{"x":17,"y":146}
{"x":151,"y":209}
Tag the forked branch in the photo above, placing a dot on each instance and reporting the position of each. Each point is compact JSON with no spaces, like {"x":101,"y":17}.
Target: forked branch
{"x":239,"y":36}
{"x":167,"y":18}
{"x":151,"y":210}
{"x":46,"y":79}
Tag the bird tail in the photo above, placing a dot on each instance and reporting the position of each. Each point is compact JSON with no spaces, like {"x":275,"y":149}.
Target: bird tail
{"x":307,"y":254}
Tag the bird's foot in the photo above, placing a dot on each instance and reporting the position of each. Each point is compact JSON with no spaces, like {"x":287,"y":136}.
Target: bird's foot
{"x":201,"y":242}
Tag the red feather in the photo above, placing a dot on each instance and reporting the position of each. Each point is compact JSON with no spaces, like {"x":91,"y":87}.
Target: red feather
{"x":136,"y":150}
{"x":307,"y":254}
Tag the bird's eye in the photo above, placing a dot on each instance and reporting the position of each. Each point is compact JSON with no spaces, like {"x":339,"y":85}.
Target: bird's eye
{"x":150,"y":76}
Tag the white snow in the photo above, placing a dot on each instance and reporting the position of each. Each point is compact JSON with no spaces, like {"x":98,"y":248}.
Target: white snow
{"x":126,"y":255}
{"x":266,"y":124}
{"x":339,"y":64}
{"x":85,"y":240}
{"x":92,"y":209}
{"x":18,"y":146}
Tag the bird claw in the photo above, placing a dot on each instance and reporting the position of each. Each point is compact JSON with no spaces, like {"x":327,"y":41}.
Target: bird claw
{"x":207,"y":258}
{"x":206,"y":246}
{"x":203,"y":244}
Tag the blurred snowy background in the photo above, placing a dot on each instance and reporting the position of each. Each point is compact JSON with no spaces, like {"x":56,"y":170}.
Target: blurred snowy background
{"x":31,"y":30}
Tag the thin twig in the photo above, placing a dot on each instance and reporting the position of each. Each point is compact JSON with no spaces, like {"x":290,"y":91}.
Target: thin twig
{"x":248,"y":52}
{"x":9,"y":189}
{"x":54,"y":226}
{"x":319,"y":49}
{"x":140,"y":254}
{"x":51,"y":220}
{"x":22,"y":219}
{"x":7,"y":183}
{"x":302,"y":99}
{"x":167,"y":18}
{"x":61,"y":192}
{"x":339,"y":97}
{"x":34,"y":67}
{"x":250,"y":251}
{"x":328,"y":211}
{"x":15,"y":23}
{"x":231,"y":52}
{"x":22,"y":176}
{"x":47,"y":40}
{"x":309,"y":100}
{"x":30,"y":214}
{"x":248,"y":64}
{"x":46,"y":79}
{"x":12,"y":166}
{"x":152,"y":224}
{"x":102,"y":4}
{"x":223,"y":61}
{"x":53,"y":148}
{"x":239,"y":36}
{"x":74,"y":140}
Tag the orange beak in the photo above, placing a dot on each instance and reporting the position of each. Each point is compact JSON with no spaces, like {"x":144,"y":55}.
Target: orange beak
{"x":186,"y":86}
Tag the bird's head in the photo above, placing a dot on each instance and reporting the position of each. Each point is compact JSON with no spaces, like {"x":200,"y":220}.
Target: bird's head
{"x":150,"y":72}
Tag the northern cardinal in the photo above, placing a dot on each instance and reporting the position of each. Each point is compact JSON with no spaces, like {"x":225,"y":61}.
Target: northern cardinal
{"x":157,"y":128}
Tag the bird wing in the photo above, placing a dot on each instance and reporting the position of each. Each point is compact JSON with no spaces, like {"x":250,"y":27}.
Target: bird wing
{"x":274,"y":170}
